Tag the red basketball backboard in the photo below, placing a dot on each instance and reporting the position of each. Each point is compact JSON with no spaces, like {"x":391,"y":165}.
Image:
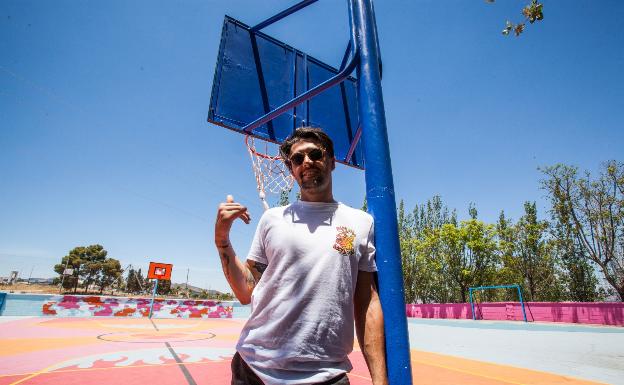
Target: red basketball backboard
{"x":159,"y":271}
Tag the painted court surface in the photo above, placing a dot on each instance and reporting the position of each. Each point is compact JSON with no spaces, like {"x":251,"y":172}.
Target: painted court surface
{"x":100,"y":350}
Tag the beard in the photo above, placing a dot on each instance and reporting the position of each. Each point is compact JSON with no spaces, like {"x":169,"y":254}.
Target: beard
{"x":312,"y":179}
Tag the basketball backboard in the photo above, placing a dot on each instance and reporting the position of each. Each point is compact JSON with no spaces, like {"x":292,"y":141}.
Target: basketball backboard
{"x":159,"y":270}
{"x":256,"y":73}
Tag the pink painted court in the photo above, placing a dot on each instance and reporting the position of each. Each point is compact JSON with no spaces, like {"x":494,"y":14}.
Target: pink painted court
{"x":129,"y":351}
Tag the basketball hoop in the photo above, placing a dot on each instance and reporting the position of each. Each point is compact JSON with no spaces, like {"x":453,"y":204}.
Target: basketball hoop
{"x":272,"y":174}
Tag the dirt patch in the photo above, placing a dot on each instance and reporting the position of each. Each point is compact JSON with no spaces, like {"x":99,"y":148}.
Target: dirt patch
{"x":34,"y":288}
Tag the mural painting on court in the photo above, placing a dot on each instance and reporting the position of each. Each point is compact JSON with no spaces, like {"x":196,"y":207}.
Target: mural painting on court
{"x":86,"y":306}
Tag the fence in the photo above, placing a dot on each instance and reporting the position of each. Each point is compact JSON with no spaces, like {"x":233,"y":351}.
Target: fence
{"x":599,"y":313}
{"x":88,"y":306}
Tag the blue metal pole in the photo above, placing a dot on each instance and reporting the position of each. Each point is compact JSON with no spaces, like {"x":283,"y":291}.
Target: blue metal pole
{"x":380,"y":195}
{"x":153,"y":296}
{"x":522,"y":303}
{"x":472,"y":304}
{"x":282,"y":14}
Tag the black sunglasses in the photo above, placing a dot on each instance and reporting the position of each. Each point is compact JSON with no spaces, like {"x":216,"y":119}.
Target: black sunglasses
{"x":314,"y":155}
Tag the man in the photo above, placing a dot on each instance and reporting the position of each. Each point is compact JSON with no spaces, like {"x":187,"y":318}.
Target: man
{"x":309,"y":276}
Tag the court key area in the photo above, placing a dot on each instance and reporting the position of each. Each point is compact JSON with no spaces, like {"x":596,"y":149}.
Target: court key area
{"x":108,"y":350}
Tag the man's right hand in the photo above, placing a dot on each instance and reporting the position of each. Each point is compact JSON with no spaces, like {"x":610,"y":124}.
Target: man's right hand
{"x":226,"y":215}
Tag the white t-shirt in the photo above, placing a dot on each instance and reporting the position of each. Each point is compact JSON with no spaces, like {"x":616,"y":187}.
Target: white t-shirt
{"x":301,"y":326}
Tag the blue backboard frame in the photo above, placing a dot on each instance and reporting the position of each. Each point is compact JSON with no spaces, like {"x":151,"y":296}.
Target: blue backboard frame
{"x":256,"y":73}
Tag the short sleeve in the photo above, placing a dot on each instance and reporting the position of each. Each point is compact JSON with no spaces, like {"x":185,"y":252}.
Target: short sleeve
{"x":257,"y":250}
{"x":367,"y":261}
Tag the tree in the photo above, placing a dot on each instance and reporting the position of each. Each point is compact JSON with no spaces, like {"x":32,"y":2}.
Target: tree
{"x":432,"y":215}
{"x":408,"y":257}
{"x":110,"y":273}
{"x":508,"y":273}
{"x":283,"y":199}
{"x":70,"y":261}
{"x":164,"y":287}
{"x":593,"y":210}
{"x":430,"y":283}
{"x":176,"y":291}
{"x":135,"y":283}
{"x":441,"y":258}
{"x":472,"y":211}
{"x":468,"y":255}
{"x":86,"y":263}
{"x":420,"y":260}
{"x":532,"y":257}
{"x":93,"y":260}
{"x":226,"y":297}
{"x":532,"y":12}
{"x":578,"y":271}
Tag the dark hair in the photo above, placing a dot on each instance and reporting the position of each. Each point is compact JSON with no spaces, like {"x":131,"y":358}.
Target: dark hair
{"x":309,"y":134}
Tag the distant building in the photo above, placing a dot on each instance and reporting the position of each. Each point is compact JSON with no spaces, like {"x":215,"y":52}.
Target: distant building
{"x":42,"y":281}
{"x":11,"y":279}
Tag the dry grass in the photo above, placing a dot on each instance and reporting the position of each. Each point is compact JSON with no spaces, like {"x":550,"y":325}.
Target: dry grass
{"x":34,"y":288}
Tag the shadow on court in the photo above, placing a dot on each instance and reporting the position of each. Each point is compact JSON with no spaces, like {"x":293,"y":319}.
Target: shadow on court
{"x":89,"y":351}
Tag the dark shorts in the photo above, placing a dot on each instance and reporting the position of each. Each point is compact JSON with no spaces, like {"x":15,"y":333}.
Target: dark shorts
{"x":242,"y":374}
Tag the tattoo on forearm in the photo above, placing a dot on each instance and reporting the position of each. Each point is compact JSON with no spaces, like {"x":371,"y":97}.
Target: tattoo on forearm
{"x":225,"y":263}
{"x":252,"y":272}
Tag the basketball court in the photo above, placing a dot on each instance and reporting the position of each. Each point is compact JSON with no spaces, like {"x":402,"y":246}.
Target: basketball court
{"x":103,"y":350}
{"x":264,"y":89}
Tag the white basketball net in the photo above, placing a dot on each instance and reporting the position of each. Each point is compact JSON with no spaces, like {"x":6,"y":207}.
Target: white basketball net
{"x":272,"y":174}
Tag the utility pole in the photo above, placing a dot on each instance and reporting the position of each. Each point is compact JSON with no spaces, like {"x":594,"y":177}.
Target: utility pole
{"x":30,"y":276}
{"x":186,"y":284}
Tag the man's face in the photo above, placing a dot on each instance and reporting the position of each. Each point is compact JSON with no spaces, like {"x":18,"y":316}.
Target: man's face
{"x":311,"y":173}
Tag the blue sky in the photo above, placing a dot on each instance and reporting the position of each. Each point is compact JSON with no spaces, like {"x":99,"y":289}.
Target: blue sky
{"x":103,"y":105}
